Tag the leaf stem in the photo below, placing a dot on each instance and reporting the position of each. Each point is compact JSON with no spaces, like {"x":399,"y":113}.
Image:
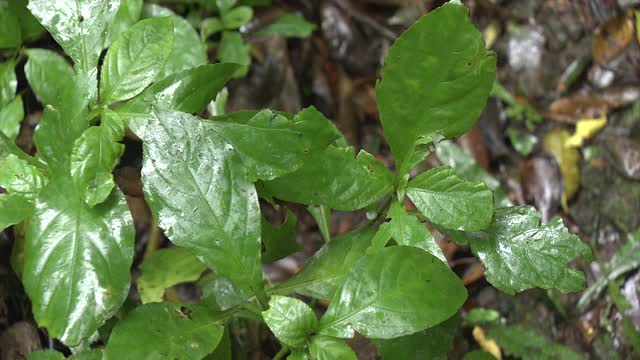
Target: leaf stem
{"x":281,"y":354}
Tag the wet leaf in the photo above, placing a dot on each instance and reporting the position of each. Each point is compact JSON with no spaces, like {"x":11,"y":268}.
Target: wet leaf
{"x":289,"y":25}
{"x":451,"y":202}
{"x":527,"y":345}
{"x":135,"y":59}
{"x":518,"y":253}
{"x":215,"y":214}
{"x":128,"y":14}
{"x":55,"y":135}
{"x":329,"y":348}
{"x":164,"y":330}
{"x":323,"y":273}
{"x":220,"y":293}
{"x":188,"y":51}
{"x":396,"y":291}
{"x":291,"y":320}
{"x":8,"y":83}
{"x":10,"y":118}
{"x":232,"y":49}
{"x":586,"y":129}
{"x":79,"y":26}
{"x":165,"y":268}
{"x":19,"y":177}
{"x":13,"y":210}
{"x":279,"y":241}
{"x":48,"y":74}
{"x":335,"y":178}
{"x":443,"y":92}
{"x":568,"y":158}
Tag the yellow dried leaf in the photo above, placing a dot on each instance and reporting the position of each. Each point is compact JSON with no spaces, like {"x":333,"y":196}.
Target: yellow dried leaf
{"x":486,"y":343}
{"x":586,"y":129}
{"x":568,"y":158}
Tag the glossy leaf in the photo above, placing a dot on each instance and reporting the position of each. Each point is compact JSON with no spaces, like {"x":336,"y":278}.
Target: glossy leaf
{"x":335,"y":178}
{"x":188,"y":51}
{"x":219,"y":293}
{"x":13,"y":210}
{"x":518,"y":253}
{"x":176,"y":93}
{"x":19,"y":177}
{"x":519,"y":342}
{"x":271,"y":146}
{"x":291,"y":320}
{"x":135,"y":59}
{"x":55,"y":135}
{"x":279,"y":241}
{"x":77,"y":260}
{"x":165,"y":268}
{"x":322,"y":215}
{"x":436,"y":79}
{"x":164,"y":331}
{"x":215,"y":213}
{"x":451,"y":202}
{"x":48,"y":74}
{"x":432,"y":343}
{"x":237,"y":17}
{"x":232,"y":49}
{"x":323,"y":273}
{"x":289,"y":25}
{"x":8,"y":83}
{"x":11,"y":116}
{"x":329,"y":348}
{"x":10,"y":34}
{"x":128,"y":14}
{"x":79,"y":26}
{"x":396,"y":291}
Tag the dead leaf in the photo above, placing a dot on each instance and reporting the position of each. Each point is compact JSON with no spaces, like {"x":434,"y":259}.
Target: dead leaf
{"x":586,"y":129}
{"x":486,"y":343}
{"x":612,"y":38}
{"x":568,"y":158}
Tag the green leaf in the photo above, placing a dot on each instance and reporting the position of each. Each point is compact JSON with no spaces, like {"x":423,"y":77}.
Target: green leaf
{"x":10,"y":34}
{"x":335,"y":178}
{"x":55,"y":135}
{"x":291,"y":320}
{"x":8,"y":82}
{"x":432,"y":343}
{"x":436,"y":79}
{"x":223,"y":350}
{"x":465,"y":166}
{"x":237,"y":17}
{"x":271,"y":146}
{"x":188,"y":51}
{"x":29,"y":26}
{"x":478,"y":355}
{"x":523,"y":142}
{"x":19,"y":177}
{"x":322,"y":215}
{"x":232,"y":49}
{"x":519,"y":342}
{"x":215,"y":213}
{"x":165,"y":268}
{"x":176,"y":93}
{"x":210,"y":26}
{"x":77,"y":260}
{"x":279,"y":241}
{"x":451,"y":202}
{"x":220,"y":293}
{"x":289,"y":25}
{"x":329,"y":348}
{"x":518,"y":253}
{"x":45,"y":355}
{"x":135,"y":59}
{"x":407,"y":229}
{"x":323,"y":273}
{"x":48,"y":74}
{"x":164,"y":331}
{"x":396,"y":291}
{"x":225,"y":5}
{"x":299,"y":354}
{"x":128,"y":14}
{"x":10,"y":118}
{"x":13,"y":210}
{"x":79,"y":26}
{"x":481,"y":316}
{"x":94,"y":156}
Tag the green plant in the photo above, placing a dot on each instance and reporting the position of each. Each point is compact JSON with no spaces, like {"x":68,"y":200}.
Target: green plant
{"x":203,"y":178}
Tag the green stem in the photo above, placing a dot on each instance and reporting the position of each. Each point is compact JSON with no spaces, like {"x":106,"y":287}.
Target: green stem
{"x":282,"y":353}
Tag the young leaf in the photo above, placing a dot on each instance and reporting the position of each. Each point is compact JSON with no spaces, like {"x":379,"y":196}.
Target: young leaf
{"x":451,"y":202}
{"x":291,"y":320}
{"x":432,"y":343}
{"x":232,"y":49}
{"x":518,"y":253}
{"x":8,"y":82}
{"x":518,"y":342}
{"x":10,"y":34}
{"x":48,"y":74}
{"x":323,"y":273}
{"x":77,"y":260}
{"x":396,"y":291}
{"x":55,"y":135}
{"x":329,"y":348}
{"x":279,"y":241}
{"x":14,"y":209}
{"x":437,"y":78}
{"x":19,"y":177}
{"x":335,"y":178}
{"x":10,"y":118}
{"x":271,"y":146}
{"x":237,"y":17}
{"x":79,"y":26}
{"x":128,"y":14}
{"x":134,"y":60}
{"x":188,"y":51}
{"x":164,"y":330}
{"x":195,"y":186}
{"x":176,"y":93}
{"x":289,"y":25}
{"x":165,"y":268}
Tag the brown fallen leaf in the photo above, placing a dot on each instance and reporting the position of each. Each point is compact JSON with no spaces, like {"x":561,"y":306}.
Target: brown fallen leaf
{"x":612,"y":38}
{"x":570,"y":109}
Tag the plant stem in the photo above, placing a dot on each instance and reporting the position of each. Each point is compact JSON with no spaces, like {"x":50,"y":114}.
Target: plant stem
{"x":281,"y":354}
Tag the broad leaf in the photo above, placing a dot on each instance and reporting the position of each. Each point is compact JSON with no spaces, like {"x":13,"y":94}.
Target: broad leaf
{"x":232,"y":49}
{"x":279,"y":241}
{"x":176,"y":93}
{"x":29,"y":25}
{"x":436,"y":79}
{"x":19,"y":177}
{"x":165,"y":268}
{"x":289,"y":25}
{"x":128,"y":14}
{"x":451,"y":202}
{"x":271,"y":146}
{"x":48,"y":74}
{"x":188,"y":51}
{"x":135,"y":59}
{"x":329,"y":348}
{"x":291,"y":320}
{"x":8,"y":83}
{"x":526,"y":345}
{"x":164,"y":331}
{"x":55,"y":135}
{"x":10,"y":118}
{"x":10,"y":34}
{"x":335,"y":178}
{"x":13,"y":210}
{"x":77,"y":260}
{"x":46,"y":355}
{"x":237,"y":17}
{"x":518,"y":253}
{"x":195,"y":185}
{"x":219,"y":293}
{"x":432,"y":343}
{"x":79,"y":26}
{"x":396,"y":291}
{"x":323,"y":273}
